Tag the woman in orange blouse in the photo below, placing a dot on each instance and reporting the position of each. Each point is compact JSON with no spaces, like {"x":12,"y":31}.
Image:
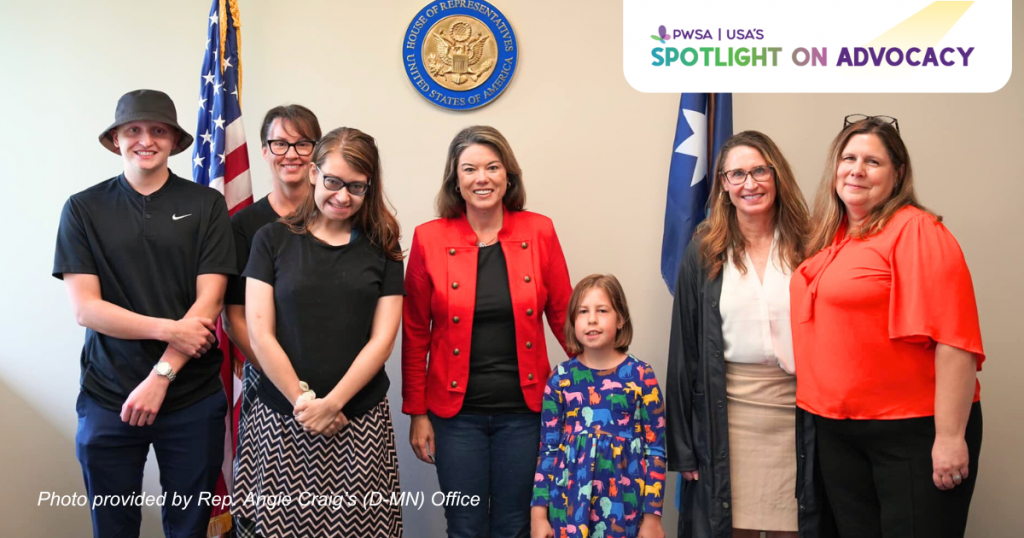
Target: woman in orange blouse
{"x":887,"y":344}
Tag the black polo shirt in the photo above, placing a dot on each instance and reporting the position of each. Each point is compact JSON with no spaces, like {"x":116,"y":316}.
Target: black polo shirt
{"x":147,"y":252}
{"x":245,"y":224}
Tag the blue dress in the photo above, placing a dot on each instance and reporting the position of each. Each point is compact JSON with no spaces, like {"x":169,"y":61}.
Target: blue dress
{"x":602,"y":451}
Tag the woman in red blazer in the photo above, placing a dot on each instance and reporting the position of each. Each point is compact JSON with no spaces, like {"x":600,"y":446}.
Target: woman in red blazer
{"x":478,"y":282}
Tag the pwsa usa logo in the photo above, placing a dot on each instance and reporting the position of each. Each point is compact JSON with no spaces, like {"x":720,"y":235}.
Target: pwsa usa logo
{"x":731,"y":34}
{"x":662,"y":35}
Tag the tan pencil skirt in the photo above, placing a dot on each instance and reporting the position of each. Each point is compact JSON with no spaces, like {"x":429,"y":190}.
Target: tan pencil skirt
{"x":762,"y":439}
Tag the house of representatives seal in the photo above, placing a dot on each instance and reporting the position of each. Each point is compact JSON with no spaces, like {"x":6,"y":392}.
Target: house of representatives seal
{"x":460,"y":54}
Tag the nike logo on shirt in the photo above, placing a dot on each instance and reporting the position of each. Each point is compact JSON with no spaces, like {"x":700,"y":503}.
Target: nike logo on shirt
{"x":175,"y":217}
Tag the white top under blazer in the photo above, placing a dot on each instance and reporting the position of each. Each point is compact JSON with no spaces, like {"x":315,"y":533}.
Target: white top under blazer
{"x":755,"y":315}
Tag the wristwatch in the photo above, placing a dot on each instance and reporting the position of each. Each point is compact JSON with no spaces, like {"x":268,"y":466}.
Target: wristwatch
{"x":164,"y":368}
{"x":307,"y":393}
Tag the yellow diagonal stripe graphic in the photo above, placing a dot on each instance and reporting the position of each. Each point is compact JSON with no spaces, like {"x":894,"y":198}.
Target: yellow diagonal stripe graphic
{"x":925,"y":28}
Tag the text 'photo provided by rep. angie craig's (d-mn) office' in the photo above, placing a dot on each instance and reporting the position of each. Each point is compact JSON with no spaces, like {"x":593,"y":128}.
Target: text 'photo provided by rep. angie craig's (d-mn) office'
{"x":467,"y":268}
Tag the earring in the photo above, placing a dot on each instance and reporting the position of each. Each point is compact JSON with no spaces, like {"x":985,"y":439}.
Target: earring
{"x":457,"y":189}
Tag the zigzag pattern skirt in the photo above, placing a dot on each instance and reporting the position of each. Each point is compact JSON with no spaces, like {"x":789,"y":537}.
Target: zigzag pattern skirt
{"x":289,"y":483}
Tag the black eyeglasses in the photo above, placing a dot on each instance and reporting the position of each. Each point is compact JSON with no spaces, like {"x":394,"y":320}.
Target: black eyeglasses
{"x":739,"y":175}
{"x":332,"y":183}
{"x":854,"y":118}
{"x":281,"y":147}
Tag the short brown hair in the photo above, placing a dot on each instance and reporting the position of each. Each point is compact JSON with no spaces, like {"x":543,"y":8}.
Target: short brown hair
{"x":449,"y":202}
{"x":303,"y":118}
{"x":829,"y":211}
{"x":359,"y":150}
{"x":611,"y":286}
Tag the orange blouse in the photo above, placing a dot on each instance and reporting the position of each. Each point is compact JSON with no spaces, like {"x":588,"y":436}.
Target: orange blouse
{"x":867,"y":314}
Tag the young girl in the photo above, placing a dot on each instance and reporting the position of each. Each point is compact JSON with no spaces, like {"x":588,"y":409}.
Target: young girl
{"x":601,"y":469}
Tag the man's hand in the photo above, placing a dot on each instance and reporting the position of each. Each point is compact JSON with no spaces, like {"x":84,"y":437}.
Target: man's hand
{"x":192,"y":336}
{"x":144,"y":402}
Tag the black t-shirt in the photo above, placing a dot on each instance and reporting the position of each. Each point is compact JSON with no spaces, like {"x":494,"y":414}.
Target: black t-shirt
{"x":244,"y":225}
{"x":147,"y":252}
{"x":493,"y":366}
{"x":324,"y":301}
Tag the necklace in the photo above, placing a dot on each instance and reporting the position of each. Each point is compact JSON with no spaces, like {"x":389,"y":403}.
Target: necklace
{"x":486,"y":243}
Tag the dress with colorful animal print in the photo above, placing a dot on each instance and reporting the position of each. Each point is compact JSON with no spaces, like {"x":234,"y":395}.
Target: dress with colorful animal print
{"x":602,"y":450}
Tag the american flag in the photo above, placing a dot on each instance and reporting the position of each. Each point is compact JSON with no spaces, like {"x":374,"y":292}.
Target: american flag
{"x":220,"y":160}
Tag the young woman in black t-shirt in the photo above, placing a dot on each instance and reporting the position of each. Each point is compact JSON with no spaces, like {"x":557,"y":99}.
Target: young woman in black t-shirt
{"x":323,"y":305}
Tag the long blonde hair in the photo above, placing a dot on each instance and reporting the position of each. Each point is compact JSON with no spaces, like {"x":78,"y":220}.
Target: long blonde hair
{"x":829,"y":211}
{"x":720,"y":232}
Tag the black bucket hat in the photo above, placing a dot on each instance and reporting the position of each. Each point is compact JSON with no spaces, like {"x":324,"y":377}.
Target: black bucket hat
{"x":146,"y":105}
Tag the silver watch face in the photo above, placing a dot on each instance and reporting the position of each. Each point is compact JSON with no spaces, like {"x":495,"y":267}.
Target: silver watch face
{"x":163,"y":368}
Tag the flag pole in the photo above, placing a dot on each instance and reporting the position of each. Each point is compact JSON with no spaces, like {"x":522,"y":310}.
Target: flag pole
{"x":712,"y":101}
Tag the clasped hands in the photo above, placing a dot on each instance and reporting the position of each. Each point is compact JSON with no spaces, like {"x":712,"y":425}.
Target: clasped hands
{"x":191,"y":336}
{"x":320,"y":416}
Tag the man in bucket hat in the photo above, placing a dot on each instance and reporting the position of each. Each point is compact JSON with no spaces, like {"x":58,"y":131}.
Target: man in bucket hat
{"x":145,"y":257}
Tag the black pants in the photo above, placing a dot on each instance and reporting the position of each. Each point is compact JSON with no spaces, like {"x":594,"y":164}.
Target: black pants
{"x":189,"y":446}
{"x":878,"y":476}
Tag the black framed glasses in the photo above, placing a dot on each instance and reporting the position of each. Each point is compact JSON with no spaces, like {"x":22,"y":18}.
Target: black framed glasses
{"x":281,"y":147}
{"x":854,"y":118}
{"x":739,"y":175}
{"x":331,"y":183}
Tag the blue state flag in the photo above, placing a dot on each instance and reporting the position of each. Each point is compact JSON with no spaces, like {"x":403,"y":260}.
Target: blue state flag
{"x":704,"y":124}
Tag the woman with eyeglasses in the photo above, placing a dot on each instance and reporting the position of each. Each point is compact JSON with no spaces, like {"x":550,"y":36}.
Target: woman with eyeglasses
{"x":732,"y":421}
{"x":323,"y":305}
{"x":887,"y":345}
{"x":474,"y":360}
{"x":288,"y":134}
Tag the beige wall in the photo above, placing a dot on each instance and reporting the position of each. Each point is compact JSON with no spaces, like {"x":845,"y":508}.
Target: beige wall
{"x":594,"y":151}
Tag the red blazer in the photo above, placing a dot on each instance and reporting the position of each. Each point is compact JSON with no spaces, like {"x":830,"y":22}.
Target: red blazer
{"x":440,"y":286}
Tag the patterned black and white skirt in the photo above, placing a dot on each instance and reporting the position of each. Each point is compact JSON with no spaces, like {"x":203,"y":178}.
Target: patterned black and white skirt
{"x":289,"y":483}
{"x":250,"y":391}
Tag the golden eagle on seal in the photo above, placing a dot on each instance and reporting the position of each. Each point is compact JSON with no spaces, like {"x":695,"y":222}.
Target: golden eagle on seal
{"x":458,"y":53}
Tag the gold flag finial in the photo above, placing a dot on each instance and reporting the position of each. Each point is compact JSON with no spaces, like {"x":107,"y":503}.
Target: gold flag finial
{"x":236,"y":19}
{"x":223,"y":24}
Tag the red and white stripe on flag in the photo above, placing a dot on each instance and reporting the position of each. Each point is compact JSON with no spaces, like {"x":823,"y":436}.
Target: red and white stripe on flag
{"x":220,"y":160}
{"x":235,"y":184}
